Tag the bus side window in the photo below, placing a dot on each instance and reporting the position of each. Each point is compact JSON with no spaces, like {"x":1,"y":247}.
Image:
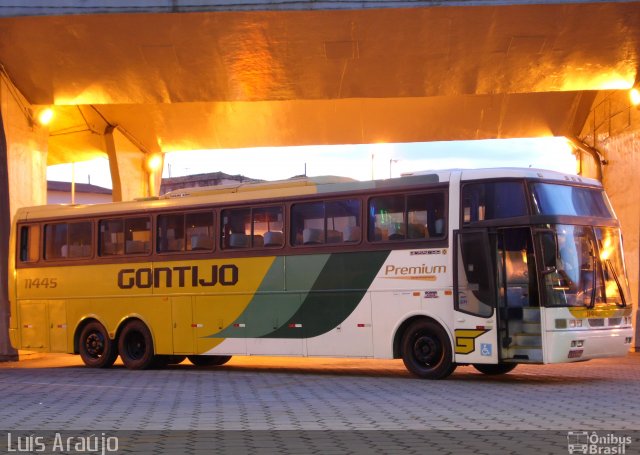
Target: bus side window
{"x":170,"y":236}
{"x":268,"y":227}
{"x":236,"y":228}
{"x":387,"y":218}
{"x":317,"y":223}
{"x":111,"y":239}
{"x":199,"y":231}
{"x":413,"y":217}
{"x":343,"y":221}
{"x":137,"y":233}
{"x":425,"y":216}
{"x":29,"y":243}
{"x":307,"y":224}
{"x":80,"y":244}
{"x":55,"y":241}
{"x":493,"y":200}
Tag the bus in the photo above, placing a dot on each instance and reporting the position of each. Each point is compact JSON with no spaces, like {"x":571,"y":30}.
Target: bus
{"x":486,"y":267}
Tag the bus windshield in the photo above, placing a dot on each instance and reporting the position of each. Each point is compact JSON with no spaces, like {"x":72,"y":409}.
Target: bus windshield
{"x":589,"y":267}
{"x":556,"y":199}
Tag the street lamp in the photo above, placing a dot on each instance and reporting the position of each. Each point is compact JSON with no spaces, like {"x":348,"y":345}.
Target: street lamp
{"x":391,"y":160}
{"x":372,"y":157}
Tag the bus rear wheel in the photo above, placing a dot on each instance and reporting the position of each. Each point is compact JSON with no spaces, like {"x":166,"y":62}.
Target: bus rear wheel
{"x":95,"y":348}
{"x":135,"y":345}
{"x":426,"y":350}
{"x":494,"y":369}
{"x":208,"y":360}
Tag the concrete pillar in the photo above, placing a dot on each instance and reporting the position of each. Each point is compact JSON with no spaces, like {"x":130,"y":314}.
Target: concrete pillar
{"x":128,"y":165}
{"x":613,"y":128}
{"x":23,"y":182}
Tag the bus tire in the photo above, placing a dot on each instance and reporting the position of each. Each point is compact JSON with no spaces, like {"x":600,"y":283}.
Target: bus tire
{"x":135,"y":345}
{"x":426,"y":350}
{"x":208,"y":360}
{"x":96,"y":349}
{"x":495,"y":368}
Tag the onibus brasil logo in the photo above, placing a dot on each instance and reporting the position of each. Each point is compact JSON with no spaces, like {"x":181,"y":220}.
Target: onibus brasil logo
{"x":593,"y":443}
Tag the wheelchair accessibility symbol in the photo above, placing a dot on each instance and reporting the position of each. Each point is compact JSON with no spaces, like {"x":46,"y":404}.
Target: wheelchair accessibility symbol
{"x":485,"y":349}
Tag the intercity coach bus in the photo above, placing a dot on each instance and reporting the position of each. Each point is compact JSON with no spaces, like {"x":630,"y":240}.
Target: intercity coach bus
{"x":488,"y":268}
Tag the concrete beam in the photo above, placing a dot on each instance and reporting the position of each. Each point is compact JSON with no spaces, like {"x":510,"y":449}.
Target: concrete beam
{"x":23,"y":143}
{"x":69,"y":7}
{"x":613,"y":129}
{"x":127,"y":163}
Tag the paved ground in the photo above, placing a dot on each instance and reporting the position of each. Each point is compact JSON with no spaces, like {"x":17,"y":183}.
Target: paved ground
{"x":55,"y":392}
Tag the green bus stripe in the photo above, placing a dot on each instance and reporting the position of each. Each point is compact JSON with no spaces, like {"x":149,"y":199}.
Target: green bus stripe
{"x":279,"y":296}
{"x":340,"y":287}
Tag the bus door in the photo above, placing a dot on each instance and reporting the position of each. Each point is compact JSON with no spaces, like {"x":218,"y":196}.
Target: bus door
{"x":475,"y":296}
{"x":518,"y":312}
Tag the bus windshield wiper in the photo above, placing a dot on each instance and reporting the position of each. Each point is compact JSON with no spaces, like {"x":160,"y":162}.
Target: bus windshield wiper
{"x":623,"y":301}
{"x":593,"y":282}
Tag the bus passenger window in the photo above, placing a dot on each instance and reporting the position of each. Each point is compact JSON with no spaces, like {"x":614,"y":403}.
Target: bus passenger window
{"x":80,"y":240}
{"x":307,"y":223}
{"x":329,"y":222}
{"x":137,"y":232}
{"x":29,"y":243}
{"x":68,"y":240}
{"x":111,"y":237}
{"x":425,"y":216}
{"x":236,"y":228}
{"x":412,"y":217}
{"x":268,"y":227}
{"x":343,"y":221}
{"x":199,"y":230}
{"x":170,"y":236}
{"x":493,"y":200}
{"x":386,"y":218}
{"x":55,"y":241}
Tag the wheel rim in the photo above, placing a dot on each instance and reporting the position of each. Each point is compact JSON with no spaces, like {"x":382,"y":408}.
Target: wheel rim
{"x":427,"y":350}
{"x":94,"y":345}
{"x":135,"y":345}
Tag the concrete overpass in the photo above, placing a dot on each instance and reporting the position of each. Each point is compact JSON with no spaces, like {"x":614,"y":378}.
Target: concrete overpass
{"x":134,"y":79}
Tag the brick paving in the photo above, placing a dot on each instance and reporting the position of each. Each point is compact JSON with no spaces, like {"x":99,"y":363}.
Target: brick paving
{"x":55,"y":392}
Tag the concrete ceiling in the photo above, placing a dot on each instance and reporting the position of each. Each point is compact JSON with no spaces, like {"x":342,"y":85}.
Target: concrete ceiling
{"x":225,"y":79}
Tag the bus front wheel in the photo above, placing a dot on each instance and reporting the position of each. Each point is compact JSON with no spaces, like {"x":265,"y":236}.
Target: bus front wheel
{"x":208,"y":360}
{"x":494,"y":369}
{"x":135,"y":345}
{"x":95,"y":348}
{"x":426,"y":350}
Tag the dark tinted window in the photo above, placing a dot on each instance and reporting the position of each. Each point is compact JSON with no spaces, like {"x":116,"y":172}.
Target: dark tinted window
{"x":252,"y":227}
{"x":198,"y":231}
{"x":170,"y":237}
{"x":184,"y":232}
{"x":400,"y":217}
{"x":29,"y":243}
{"x":68,"y":240}
{"x":316,"y":223}
{"x":125,"y":236}
{"x":493,"y":200}
{"x":553,"y":199}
